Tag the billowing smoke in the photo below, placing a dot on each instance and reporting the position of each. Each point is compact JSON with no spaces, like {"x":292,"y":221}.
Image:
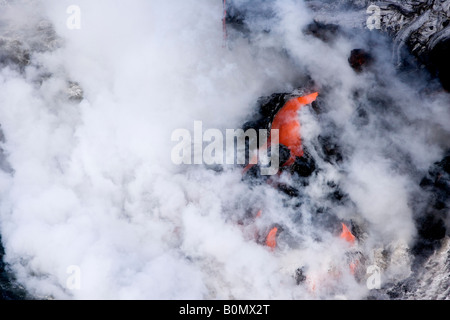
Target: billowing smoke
{"x":92,"y":206}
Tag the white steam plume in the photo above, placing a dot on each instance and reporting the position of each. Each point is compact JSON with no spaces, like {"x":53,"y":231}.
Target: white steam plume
{"x":92,"y":184}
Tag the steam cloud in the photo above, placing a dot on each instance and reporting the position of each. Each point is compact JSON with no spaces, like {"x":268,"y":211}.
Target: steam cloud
{"x":91,"y":184}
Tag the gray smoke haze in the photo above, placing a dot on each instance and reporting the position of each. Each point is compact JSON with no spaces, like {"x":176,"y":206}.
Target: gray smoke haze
{"x":91,"y":183}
